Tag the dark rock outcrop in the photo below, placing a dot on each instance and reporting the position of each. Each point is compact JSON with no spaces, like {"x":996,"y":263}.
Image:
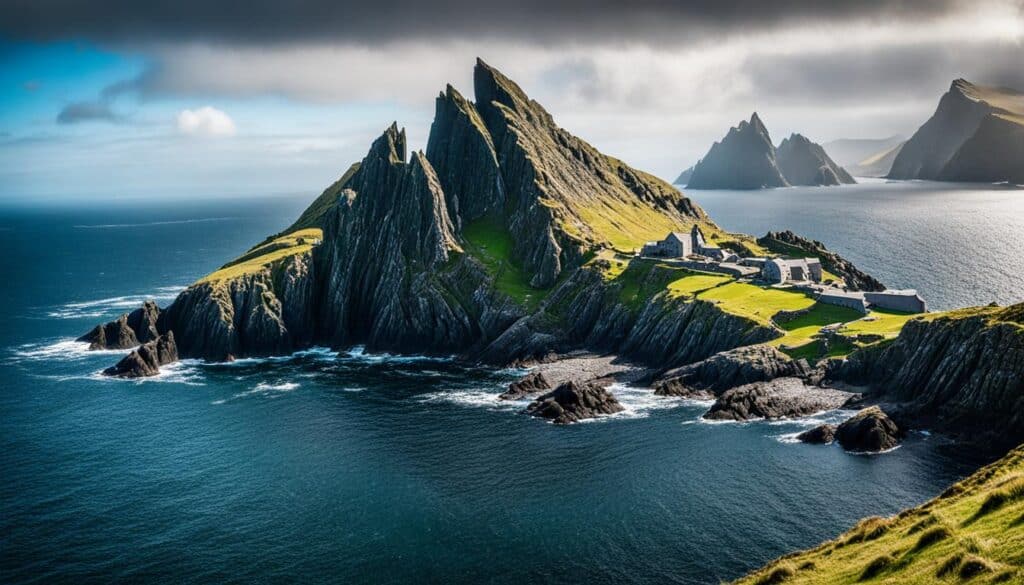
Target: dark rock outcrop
{"x":974,"y":135}
{"x":573,"y":402}
{"x":533,"y":383}
{"x":819,"y":435}
{"x":803,"y":162}
{"x":868,"y":431}
{"x":127,"y":331}
{"x":779,"y":398}
{"x":728,"y":369}
{"x":146,"y":359}
{"x":790,"y":244}
{"x":961,"y":372}
{"x":744,"y":159}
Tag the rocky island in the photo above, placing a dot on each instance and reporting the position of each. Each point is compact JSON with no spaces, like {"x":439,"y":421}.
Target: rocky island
{"x":511,"y":241}
{"x":746,"y":159}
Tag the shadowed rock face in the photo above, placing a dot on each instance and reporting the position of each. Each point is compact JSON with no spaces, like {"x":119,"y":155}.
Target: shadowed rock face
{"x":975,"y":134}
{"x":744,"y":159}
{"x":870,"y":430}
{"x":803,"y":162}
{"x":146,"y":359}
{"x":573,"y":402}
{"x":127,"y":331}
{"x":962,"y":372}
{"x":534,"y":383}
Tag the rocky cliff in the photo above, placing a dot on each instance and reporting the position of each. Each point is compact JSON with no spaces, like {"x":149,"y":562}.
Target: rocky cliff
{"x":744,"y":159}
{"x":803,"y":162}
{"x":984,"y":122}
{"x":961,"y":371}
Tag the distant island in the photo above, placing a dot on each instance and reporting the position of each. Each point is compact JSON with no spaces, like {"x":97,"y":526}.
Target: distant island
{"x":510,"y":241}
{"x":975,"y":135}
{"x":866,"y":157}
{"x":746,"y":159}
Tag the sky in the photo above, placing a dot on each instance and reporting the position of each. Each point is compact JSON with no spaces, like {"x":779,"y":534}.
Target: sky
{"x":119,"y":98}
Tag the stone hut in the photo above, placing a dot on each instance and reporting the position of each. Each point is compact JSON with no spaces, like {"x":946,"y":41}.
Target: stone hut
{"x":783,"y":270}
{"x":675,"y":245}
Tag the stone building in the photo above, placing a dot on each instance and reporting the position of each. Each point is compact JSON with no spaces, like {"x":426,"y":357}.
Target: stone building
{"x":907,"y":301}
{"x":675,"y":245}
{"x":783,"y":270}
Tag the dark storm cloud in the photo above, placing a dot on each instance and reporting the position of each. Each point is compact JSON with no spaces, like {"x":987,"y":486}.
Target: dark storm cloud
{"x":396,"y":20}
{"x":91,"y":111}
{"x":873,"y":74}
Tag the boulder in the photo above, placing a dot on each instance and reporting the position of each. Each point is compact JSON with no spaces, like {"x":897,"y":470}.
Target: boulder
{"x":146,"y":359}
{"x":533,"y":383}
{"x":870,"y":430}
{"x":779,"y":398}
{"x":729,"y":369}
{"x":819,"y":435}
{"x":573,"y":402}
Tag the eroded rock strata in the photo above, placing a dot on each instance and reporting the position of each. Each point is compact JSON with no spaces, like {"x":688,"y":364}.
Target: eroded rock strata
{"x":127,"y":331}
{"x":725,"y":370}
{"x":869,"y":431}
{"x":779,"y":398}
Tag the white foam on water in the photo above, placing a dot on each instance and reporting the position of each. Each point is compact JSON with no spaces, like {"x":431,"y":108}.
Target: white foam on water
{"x":100,"y":307}
{"x":269,"y":389}
{"x":317,"y":352}
{"x":639,"y":402}
{"x":475,"y":398}
{"x":62,"y":350}
{"x":358,"y":353}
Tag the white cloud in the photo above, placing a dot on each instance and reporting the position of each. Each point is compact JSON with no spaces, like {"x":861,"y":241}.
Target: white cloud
{"x":205,"y":121}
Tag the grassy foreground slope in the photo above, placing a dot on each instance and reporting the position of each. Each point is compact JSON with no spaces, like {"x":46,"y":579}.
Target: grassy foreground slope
{"x":972,"y":533}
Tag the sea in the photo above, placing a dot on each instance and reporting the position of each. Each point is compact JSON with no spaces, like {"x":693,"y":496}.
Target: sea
{"x":322,"y":467}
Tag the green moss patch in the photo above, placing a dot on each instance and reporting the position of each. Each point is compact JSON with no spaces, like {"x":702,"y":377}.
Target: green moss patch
{"x":488,"y":241}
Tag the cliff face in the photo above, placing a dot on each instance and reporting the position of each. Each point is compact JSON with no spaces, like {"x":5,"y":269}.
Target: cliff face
{"x":744,"y":159}
{"x":984,"y":122}
{"x":803,"y":162}
{"x":964,"y":370}
{"x":995,"y":152}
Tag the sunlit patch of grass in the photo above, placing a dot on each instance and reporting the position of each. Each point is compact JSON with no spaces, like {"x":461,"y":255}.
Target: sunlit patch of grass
{"x":802,"y":329}
{"x":266,"y":254}
{"x":755,"y":302}
{"x":882,"y":322}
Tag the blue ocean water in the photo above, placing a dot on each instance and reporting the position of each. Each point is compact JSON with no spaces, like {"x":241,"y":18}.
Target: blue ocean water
{"x":368,"y":468}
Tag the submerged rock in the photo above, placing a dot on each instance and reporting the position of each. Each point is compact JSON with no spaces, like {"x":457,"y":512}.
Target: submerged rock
{"x":779,"y":398}
{"x":574,"y":401}
{"x":533,"y":383}
{"x":127,"y":331}
{"x":729,"y":369}
{"x":870,"y":430}
{"x":147,"y":359}
{"x":819,"y":435}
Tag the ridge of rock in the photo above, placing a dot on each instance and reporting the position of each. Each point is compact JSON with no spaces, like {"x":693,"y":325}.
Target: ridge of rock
{"x":803,"y":162}
{"x":743,"y":159}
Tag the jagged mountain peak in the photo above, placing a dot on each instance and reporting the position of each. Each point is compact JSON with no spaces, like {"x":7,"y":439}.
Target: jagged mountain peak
{"x":391,"y":145}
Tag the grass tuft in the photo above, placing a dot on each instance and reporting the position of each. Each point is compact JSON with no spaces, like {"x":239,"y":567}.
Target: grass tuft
{"x":777,"y":575}
{"x":876,"y":567}
{"x":972,"y":566}
{"x":932,"y":536}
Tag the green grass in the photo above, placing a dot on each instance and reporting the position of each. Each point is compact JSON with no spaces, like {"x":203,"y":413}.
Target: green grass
{"x":802,"y":329}
{"x":971,"y":533}
{"x":755,"y":302}
{"x":266,"y":254}
{"x":695,"y":282}
{"x":489,"y":242}
{"x":882,"y":322}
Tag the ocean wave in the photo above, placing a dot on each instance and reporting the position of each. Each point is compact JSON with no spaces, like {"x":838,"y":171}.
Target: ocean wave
{"x":261,"y":389}
{"x":62,"y":350}
{"x":152,"y":223}
{"x":358,"y":354}
{"x":639,"y":402}
{"x":100,"y":307}
{"x":473,"y":397}
{"x":318,"y":353}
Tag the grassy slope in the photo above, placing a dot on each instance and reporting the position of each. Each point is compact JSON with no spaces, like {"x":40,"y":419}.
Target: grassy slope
{"x":265,"y":254}
{"x":803,"y":329}
{"x":878,"y":322}
{"x":972,"y":533}
{"x":490,"y":243}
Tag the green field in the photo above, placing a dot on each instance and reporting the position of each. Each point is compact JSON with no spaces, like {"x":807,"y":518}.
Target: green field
{"x":972,"y":533}
{"x":755,"y":302}
{"x":801,"y":330}
{"x":694,"y":283}
{"x":878,"y":322}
